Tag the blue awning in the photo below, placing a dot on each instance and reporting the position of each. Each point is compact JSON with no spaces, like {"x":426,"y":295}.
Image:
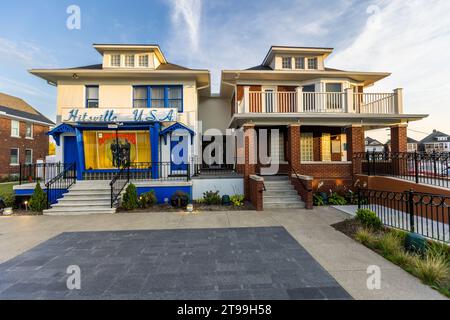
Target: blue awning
{"x":176,"y":126}
{"x":59,"y":130}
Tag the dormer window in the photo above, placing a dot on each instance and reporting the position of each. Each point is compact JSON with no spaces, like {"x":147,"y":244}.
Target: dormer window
{"x":312,"y":63}
{"x":115,"y":60}
{"x":129,"y":60}
{"x":287,"y":63}
{"x":143,"y":61}
{"x":299,"y":63}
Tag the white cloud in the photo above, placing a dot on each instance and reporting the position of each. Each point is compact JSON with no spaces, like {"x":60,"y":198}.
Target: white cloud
{"x":411,"y":40}
{"x":186,"y":15}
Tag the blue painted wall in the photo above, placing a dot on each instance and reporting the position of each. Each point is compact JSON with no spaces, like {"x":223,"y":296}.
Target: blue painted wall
{"x":165,"y":192}
{"x":55,"y":194}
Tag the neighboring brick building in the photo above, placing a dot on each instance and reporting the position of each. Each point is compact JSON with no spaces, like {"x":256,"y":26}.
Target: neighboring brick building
{"x":23,"y":136}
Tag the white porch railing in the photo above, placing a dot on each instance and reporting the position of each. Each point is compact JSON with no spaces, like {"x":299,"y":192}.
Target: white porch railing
{"x":321,"y":102}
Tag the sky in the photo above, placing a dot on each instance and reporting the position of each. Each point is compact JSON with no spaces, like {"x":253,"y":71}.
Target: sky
{"x":410,"y":39}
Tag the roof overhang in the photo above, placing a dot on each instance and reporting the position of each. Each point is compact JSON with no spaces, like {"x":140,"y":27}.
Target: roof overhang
{"x":102,"y":48}
{"x":240,"y":76}
{"x":369,"y":121}
{"x":295,"y":50}
{"x":202,"y":77}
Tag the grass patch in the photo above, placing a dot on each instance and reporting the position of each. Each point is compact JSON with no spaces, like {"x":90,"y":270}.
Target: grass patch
{"x":432,"y":267}
{"x":7,"y":187}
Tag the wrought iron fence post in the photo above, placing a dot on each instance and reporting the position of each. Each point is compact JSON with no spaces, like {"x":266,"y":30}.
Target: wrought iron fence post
{"x":434,"y":164}
{"x":374,"y":164}
{"x":416,"y":166}
{"x":20,"y":173}
{"x":189,"y":172}
{"x":359,"y":197}
{"x":368,"y":163}
{"x":411,"y":210}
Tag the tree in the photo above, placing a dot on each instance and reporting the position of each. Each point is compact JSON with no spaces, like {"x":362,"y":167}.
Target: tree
{"x":38,"y":201}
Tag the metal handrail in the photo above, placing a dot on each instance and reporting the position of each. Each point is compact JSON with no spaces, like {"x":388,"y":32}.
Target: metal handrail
{"x":115,"y":195}
{"x":61,"y":182}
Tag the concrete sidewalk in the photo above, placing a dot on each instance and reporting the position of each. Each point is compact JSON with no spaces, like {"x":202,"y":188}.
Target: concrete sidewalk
{"x":346,"y":260}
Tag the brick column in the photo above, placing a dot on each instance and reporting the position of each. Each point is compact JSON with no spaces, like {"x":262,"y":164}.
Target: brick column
{"x":355,"y":145}
{"x":399,"y":138}
{"x":249,"y":167}
{"x":399,"y":146}
{"x":294,"y":147}
{"x":256,"y":195}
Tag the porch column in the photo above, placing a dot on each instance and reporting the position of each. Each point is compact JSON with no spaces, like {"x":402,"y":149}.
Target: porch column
{"x":355,"y":147}
{"x":398,"y":101}
{"x":294,"y":147}
{"x":249,"y":167}
{"x":154,"y":140}
{"x":246,"y":99}
{"x":349,"y":102}
{"x":80,"y":160}
{"x":299,"y":91}
{"x":399,"y":145}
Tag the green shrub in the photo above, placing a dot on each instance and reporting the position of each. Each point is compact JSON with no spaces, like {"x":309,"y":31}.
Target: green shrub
{"x":437,"y":249}
{"x":366,"y":237}
{"x":369,"y":219}
{"x":212,"y":198}
{"x":179,"y":199}
{"x":237,"y":200}
{"x":402,"y":258}
{"x":318,"y":200}
{"x":130,"y":198}
{"x":337,"y":200}
{"x":148,"y":199}
{"x":432,"y":270}
{"x":390,"y":244}
{"x":38,"y":201}
{"x":9,"y":198}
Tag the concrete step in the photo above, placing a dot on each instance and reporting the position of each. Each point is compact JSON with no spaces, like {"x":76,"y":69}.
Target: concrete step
{"x":85,"y":199}
{"x":286,"y":200}
{"x":281,"y":198}
{"x":299,"y":205}
{"x":287,"y":192}
{"x":99,"y":189}
{"x":77,"y":204}
{"x":63,"y":211}
{"x":88,"y":193}
{"x":279,"y":189}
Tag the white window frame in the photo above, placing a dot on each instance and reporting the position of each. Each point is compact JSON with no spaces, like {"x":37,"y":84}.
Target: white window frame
{"x":283,"y":59}
{"x":31,"y":132}
{"x":311,"y":59}
{"x":143,"y":56}
{"x":31,"y":162}
{"x":112,"y":60}
{"x":296,"y":64}
{"x":18,"y":129}
{"x":18,"y":157}
{"x":133,"y":60}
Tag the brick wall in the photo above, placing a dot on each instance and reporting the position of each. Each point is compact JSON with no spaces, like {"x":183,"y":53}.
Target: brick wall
{"x":356,"y":144}
{"x":294,"y":147}
{"x":399,"y":138}
{"x":304,"y":187}
{"x":249,"y":167}
{"x":39,"y":145}
{"x":256,"y":195}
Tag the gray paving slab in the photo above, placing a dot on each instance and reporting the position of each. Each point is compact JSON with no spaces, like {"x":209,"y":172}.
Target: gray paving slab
{"x":229,"y":264}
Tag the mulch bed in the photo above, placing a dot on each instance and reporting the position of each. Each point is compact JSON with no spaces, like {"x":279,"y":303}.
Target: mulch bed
{"x":197,"y":208}
{"x":22,"y":213}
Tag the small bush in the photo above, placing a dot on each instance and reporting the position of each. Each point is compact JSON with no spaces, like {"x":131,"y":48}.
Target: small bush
{"x":212,"y":198}
{"x":8,"y":198}
{"x":237,"y":200}
{"x":437,"y":249}
{"x":337,"y":200}
{"x":432,"y":270}
{"x":179,"y":199}
{"x":369,"y":219}
{"x":318,"y":200}
{"x":148,"y":199}
{"x":130,"y":198}
{"x":38,"y":201}
{"x":402,"y":258}
{"x":390,"y":244}
{"x":366,"y":237}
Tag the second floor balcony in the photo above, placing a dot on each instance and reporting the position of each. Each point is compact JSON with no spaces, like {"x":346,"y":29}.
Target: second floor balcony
{"x":271,"y":101}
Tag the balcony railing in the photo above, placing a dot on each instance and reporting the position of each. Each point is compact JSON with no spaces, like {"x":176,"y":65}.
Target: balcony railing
{"x":321,"y":102}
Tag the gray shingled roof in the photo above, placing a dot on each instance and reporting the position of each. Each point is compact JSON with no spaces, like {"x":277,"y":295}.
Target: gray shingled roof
{"x":162,"y":67}
{"x":433,"y":137}
{"x":26,"y":115}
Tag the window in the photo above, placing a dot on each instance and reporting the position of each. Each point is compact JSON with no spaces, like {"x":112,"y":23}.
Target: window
{"x":334,"y":87}
{"x":29,"y":131}
{"x":287,"y":63}
{"x":15,"y":128}
{"x":28,"y":156}
{"x":143,"y":61}
{"x":92,"y":96}
{"x":326,"y":147}
{"x":158,"y":97}
{"x":129,"y":60}
{"x":312,"y":63}
{"x":299,"y":63}
{"x":307,"y":147}
{"x":115,"y":60}
{"x":14,"y":156}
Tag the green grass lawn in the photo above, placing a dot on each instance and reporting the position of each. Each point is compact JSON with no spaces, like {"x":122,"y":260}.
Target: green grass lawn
{"x":7,"y":187}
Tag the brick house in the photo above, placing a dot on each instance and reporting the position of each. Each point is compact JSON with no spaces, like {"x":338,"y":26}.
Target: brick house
{"x":23,"y":132}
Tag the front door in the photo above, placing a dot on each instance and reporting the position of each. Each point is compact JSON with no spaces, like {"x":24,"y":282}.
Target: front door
{"x":179,"y":154}
{"x":70,"y":150}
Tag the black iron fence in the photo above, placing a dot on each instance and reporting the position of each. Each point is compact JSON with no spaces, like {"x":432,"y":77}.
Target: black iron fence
{"x":422,"y":213}
{"x":59,"y":185}
{"x":37,"y":172}
{"x":419,"y":167}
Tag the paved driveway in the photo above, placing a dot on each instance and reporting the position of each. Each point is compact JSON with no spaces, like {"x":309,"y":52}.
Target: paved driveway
{"x":243,"y":263}
{"x":344,"y":259}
